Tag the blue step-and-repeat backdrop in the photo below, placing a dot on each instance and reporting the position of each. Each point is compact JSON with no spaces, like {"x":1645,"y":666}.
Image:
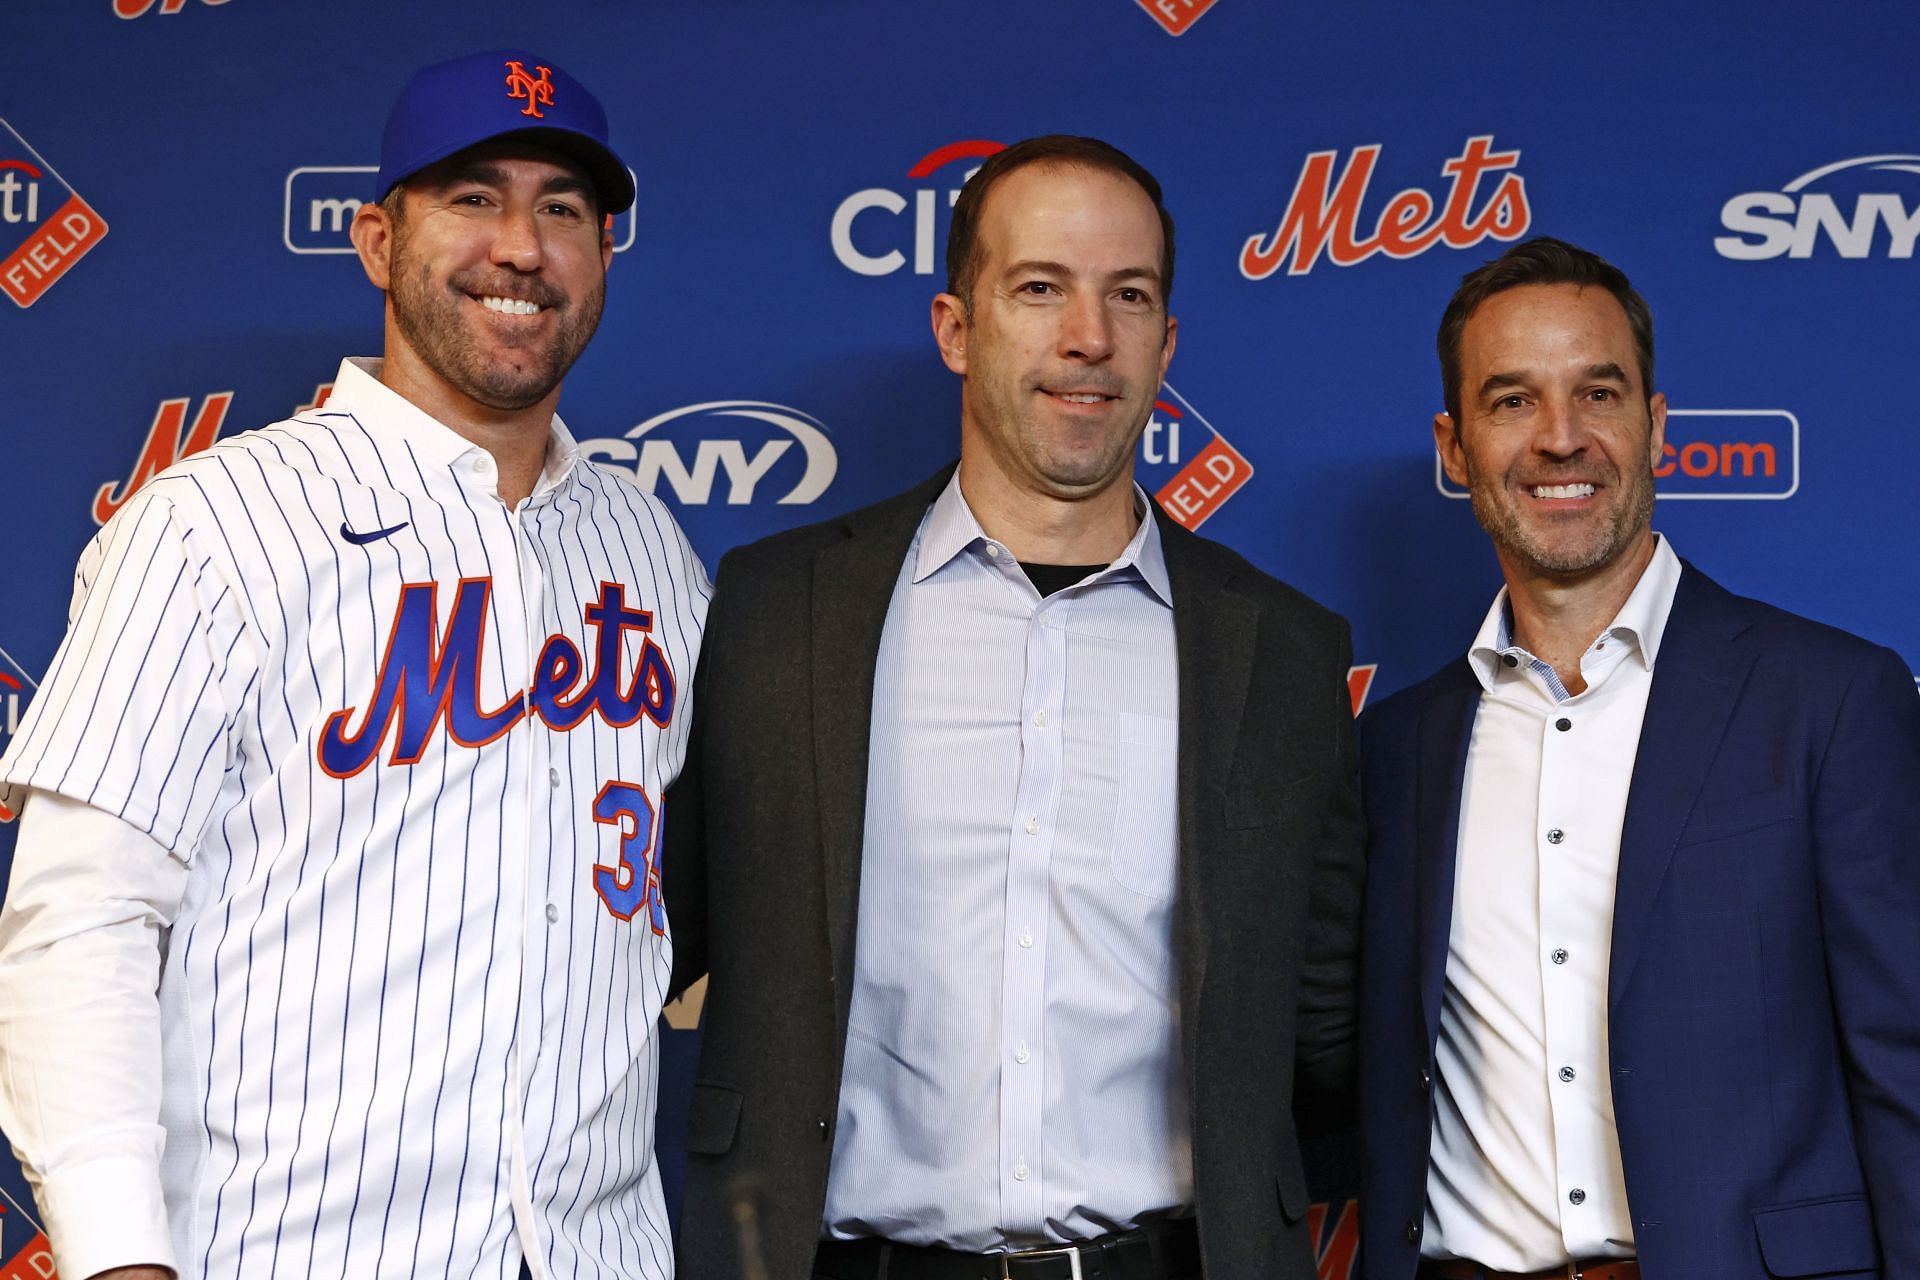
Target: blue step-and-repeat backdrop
{"x":176,"y":179}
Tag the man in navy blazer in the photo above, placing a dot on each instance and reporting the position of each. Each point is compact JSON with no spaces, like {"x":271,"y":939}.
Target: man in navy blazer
{"x":1641,"y":962}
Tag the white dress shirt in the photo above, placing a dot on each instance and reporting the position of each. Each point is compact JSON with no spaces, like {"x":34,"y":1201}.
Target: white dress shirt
{"x":1012,"y":1072}
{"x":1525,"y":1169}
{"x":309,"y":967}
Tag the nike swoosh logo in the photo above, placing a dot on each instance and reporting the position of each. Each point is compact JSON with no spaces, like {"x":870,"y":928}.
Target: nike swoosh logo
{"x":362,"y":539}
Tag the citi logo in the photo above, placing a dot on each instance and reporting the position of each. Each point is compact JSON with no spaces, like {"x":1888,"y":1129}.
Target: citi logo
{"x":1722,"y":454}
{"x":321,"y":200}
{"x":745,"y":445}
{"x":871,"y":237}
{"x":1794,"y":221}
{"x":19,"y":191}
{"x":139,"y":8}
{"x":1324,"y":215}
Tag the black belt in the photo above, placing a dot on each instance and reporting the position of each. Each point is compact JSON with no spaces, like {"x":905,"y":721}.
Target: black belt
{"x":1156,"y":1251}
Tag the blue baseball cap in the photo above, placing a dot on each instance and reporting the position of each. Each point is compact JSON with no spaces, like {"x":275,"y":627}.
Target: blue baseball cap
{"x":505,"y":93}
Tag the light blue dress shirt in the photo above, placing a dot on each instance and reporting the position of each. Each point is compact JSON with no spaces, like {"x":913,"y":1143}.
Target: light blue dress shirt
{"x":1012,"y":1073}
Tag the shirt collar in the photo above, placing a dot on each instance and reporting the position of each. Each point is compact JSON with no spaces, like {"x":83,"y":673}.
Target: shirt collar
{"x":1641,"y":620}
{"x":357,"y":390}
{"x":951,"y":529}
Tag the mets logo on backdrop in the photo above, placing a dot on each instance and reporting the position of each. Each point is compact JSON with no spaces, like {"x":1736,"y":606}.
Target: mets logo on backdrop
{"x":138,"y":9}
{"x":869,"y":234}
{"x":1324,"y":215}
{"x":1841,"y":207}
{"x":537,"y":92}
{"x":1176,"y":15}
{"x":45,"y":227}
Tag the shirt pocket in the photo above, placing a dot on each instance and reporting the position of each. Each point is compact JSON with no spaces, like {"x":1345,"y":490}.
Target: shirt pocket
{"x":1145,"y":856}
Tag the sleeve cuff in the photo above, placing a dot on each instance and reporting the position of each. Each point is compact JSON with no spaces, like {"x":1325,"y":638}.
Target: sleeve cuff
{"x":107,"y":1213}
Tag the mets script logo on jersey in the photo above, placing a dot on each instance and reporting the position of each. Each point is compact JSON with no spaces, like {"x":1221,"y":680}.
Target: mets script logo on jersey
{"x":429,"y":681}
{"x":1176,"y":15}
{"x":1840,"y":207}
{"x":870,"y":237}
{"x":747,"y":441}
{"x":320,"y":200}
{"x":1324,"y":216}
{"x":45,"y":227}
{"x":536,"y":93}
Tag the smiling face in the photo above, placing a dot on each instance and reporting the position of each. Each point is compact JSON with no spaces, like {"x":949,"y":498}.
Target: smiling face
{"x":1557,"y":436}
{"x":495,"y":271}
{"x":1066,"y":337}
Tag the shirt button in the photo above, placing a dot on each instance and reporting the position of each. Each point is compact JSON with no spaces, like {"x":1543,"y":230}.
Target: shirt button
{"x":1022,"y":1055}
{"x":553,"y":914}
{"x":1020,"y":1171}
{"x":1559,"y":955}
{"x":1040,"y":717}
{"x":553,"y":776}
{"x":1555,"y":836}
{"x":1026,"y":939}
{"x":1509,"y":659}
{"x":1033,"y":826}
{"x":1576,"y":1196}
{"x":1566,"y":1074}
{"x":993,"y":551}
{"x":1563,"y":724}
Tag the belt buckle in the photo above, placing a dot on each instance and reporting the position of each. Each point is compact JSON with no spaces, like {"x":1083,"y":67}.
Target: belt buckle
{"x":1072,"y":1252}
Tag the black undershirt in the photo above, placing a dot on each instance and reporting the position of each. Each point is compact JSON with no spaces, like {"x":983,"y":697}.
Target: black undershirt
{"x":1050,"y":578}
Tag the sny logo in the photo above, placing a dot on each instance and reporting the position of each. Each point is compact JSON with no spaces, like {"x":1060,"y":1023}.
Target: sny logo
{"x":1794,"y":220}
{"x":656,"y":450}
{"x":42,"y":234}
{"x":537,"y":93}
{"x":1324,"y":216}
{"x":1715,"y":454}
{"x":927,"y":204}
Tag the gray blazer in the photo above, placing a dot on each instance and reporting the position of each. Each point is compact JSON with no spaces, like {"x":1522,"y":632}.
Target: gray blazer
{"x":761,"y":876}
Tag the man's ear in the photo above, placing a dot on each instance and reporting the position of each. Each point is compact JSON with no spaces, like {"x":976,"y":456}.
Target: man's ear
{"x":950,"y":331}
{"x":1453,"y":457}
{"x":372,"y":234}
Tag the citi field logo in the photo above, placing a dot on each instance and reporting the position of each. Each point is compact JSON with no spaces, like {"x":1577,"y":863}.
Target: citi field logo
{"x":1856,"y":199}
{"x":1176,"y":15}
{"x":16,"y":689}
{"x":1715,"y":454}
{"x":1192,"y":464}
{"x":321,"y":200}
{"x":45,"y":227}
{"x":1324,"y":214}
{"x":730,"y":451}
{"x":871,"y":232}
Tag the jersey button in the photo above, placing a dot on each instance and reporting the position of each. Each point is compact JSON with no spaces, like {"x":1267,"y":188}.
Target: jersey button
{"x":553,"y":776}
{"x":553,"y":914}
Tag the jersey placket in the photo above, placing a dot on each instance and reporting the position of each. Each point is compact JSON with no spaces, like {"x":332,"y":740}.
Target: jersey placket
{"x":1028,"y":911}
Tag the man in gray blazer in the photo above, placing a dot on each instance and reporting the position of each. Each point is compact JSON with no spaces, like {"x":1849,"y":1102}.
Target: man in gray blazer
{"x":1019,"y":829}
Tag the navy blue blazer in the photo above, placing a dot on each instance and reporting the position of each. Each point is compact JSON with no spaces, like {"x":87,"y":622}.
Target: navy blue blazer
{"x":1763,"y":998}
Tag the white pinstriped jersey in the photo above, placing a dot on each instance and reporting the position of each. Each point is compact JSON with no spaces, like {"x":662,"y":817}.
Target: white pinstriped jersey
{"x":411,"y":745}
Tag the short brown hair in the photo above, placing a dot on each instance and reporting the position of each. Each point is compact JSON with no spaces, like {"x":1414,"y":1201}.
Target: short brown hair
{"x":1541,"y":260}
{"x":1064,"y":149}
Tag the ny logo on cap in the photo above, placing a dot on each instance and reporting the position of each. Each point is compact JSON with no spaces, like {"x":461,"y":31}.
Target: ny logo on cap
{"x":538,"y":93}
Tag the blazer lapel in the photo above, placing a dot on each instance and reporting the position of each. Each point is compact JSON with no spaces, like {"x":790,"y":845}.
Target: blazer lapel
{"x":1446,"y":729}
{"x":852,"y":586}
{"x":1214,"y":630}
{"x":1697,"y":679}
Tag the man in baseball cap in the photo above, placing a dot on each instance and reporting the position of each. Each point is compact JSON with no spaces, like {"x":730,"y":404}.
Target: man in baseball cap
{"x":348,"y":962}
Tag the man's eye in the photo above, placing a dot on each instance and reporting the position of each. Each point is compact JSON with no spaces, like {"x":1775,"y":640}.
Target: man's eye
{"x":1132,"y":295}
{"x":1509,"y":402}
{"x":563,"y":210}
{"x":1602,"y":393}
